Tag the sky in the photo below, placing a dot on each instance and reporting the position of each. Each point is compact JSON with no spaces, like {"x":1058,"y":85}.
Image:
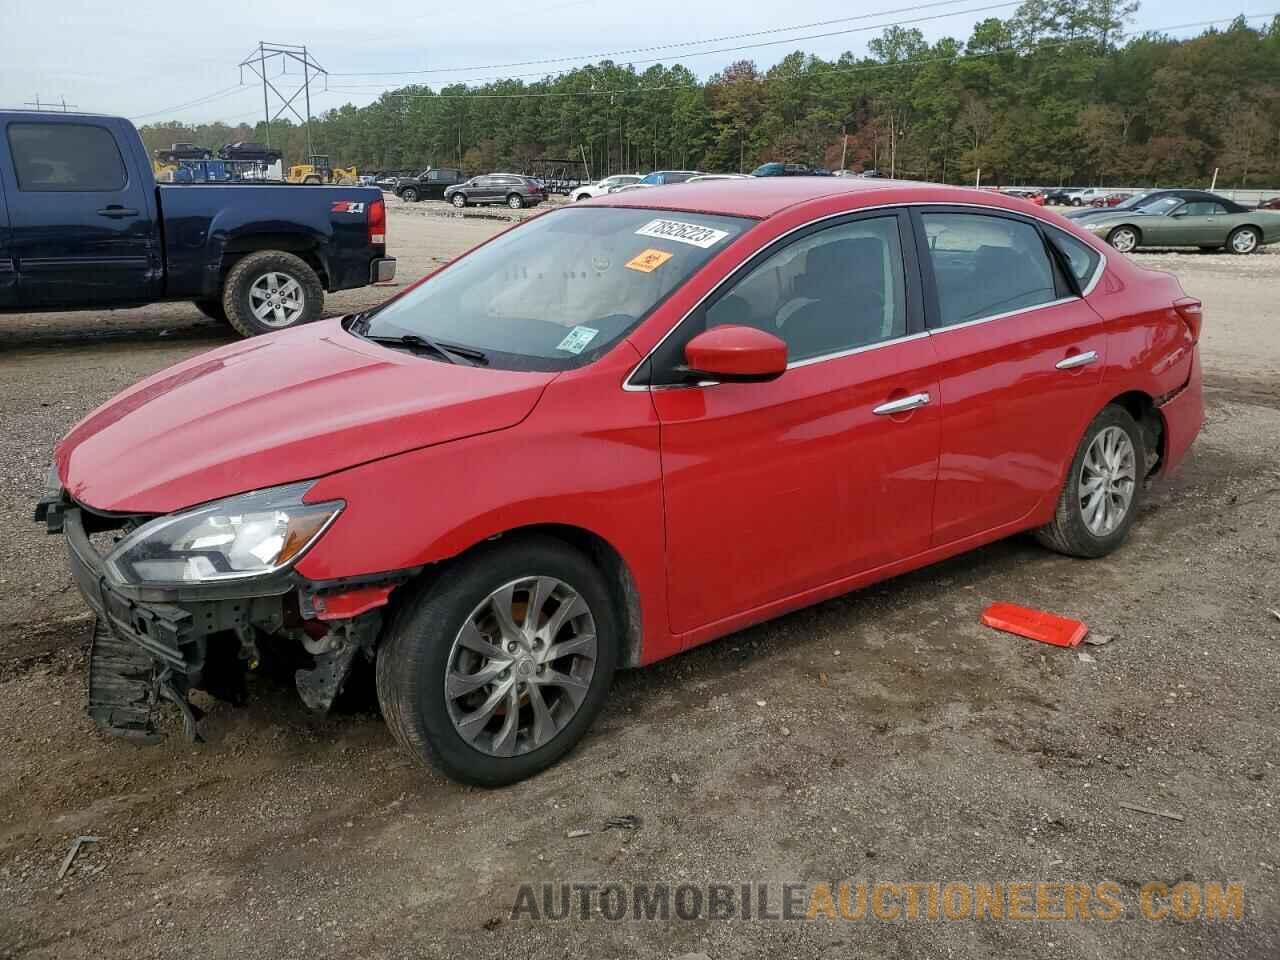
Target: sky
{"x":154,"y":60}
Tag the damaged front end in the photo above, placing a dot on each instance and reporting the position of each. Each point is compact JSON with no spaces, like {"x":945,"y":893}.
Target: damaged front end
{"x":217,"y":615}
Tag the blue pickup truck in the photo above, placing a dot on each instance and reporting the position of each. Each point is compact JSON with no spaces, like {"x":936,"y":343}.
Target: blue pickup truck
{"x":83,"y":225}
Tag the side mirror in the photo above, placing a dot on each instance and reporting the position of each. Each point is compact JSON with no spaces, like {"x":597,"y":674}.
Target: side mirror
{"x":735,"y":354}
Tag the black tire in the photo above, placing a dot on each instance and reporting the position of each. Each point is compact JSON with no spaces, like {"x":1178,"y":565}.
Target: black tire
{"x":583,"y":196}
{"x":1238,"y":234}
{"x":211,"y":309}
{"x":515,"y":201}
{"x":459,"y":200}
{"x":248,"y":270}
{"x":410,"y":195}
{"x":1068,"y":533}
{"x":414,"y":658}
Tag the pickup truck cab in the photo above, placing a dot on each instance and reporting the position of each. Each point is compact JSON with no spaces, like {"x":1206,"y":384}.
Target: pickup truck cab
{"x":83,"y":225}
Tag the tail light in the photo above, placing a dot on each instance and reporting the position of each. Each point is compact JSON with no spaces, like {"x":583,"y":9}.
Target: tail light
{"x":1192,"y":313}
{"x":378,"y":223}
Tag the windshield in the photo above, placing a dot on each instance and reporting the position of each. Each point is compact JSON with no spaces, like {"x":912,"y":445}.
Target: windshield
{"x":1159,"y":204}
{"x":561,"y":289}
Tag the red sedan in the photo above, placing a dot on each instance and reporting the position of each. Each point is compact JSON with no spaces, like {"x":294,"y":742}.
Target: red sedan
{"x":612,"y":433}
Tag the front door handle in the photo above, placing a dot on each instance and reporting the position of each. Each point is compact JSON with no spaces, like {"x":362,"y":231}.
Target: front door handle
{"x":901,"y":405}
{"x":1077,"y":360}
{"x":116,"y":213}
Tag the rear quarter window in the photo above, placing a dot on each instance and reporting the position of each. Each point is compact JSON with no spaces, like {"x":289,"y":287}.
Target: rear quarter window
{"x":1082,"y":259}
{"x":51,"y":157}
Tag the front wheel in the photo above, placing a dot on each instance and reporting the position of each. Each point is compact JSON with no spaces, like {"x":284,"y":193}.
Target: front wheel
{"x":584,"y":196}
{"x":1243,"y":240}
{"x":271,"y":290}
{"x":459,"y":200}
{"x":492,"y":673}
{"x":1100,"y":496}
{"x":1124,"y":239}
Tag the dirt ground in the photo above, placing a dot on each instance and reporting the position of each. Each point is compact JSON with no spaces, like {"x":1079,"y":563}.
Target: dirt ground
{"x":884,"y":736}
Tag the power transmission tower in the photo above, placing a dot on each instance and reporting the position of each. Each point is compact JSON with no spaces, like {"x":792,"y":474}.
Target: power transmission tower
{"x":257,"y":62}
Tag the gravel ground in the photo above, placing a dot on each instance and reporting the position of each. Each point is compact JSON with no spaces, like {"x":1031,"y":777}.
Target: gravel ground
{"x":884,"y":736}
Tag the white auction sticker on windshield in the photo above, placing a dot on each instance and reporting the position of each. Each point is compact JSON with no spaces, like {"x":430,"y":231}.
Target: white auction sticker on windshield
{"x":576,"y":340}
{"x":691,"y":233}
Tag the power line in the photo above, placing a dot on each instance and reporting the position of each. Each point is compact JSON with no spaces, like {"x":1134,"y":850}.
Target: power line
{"x":198,"y":101}
{"x":670,"y":46}
{"x":848,"y":68}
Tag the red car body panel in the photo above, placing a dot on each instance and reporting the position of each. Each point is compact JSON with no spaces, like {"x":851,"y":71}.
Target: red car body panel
{"x":726,"y":504}
{"x":275,"y":409}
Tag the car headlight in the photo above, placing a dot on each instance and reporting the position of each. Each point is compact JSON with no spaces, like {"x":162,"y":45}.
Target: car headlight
{"x":244,"y":536}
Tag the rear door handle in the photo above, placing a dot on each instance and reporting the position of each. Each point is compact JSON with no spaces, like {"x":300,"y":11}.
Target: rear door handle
{"x":1077,"y":360}
{"x":116,"y":213}
{"x":901,"y":405}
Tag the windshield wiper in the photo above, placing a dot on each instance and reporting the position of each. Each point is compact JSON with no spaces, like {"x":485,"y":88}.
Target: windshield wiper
{"x":446,"y":352}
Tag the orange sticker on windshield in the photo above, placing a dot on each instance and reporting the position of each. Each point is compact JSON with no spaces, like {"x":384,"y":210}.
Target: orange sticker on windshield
{"x":648,"y":261}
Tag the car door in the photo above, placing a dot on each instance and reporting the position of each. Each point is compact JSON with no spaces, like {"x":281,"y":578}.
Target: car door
{"x":81,"y":229}
{"x":1202,"y":223}
{"x":1021,"y":356}
{"x":786,"y":486}
{"x":8,"y":273}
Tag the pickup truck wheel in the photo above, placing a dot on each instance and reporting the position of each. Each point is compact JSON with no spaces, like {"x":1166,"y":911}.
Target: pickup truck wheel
{"x":211,"y":309}
{"x":494,"y":671}
{"x":271,"y":290}
{"x":409,"y":195}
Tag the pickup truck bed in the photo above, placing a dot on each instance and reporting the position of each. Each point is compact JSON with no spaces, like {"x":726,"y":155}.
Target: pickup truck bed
{"x":83,"y":225}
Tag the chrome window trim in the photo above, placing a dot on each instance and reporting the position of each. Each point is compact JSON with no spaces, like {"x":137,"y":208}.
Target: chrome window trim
{"x":630,"y":387}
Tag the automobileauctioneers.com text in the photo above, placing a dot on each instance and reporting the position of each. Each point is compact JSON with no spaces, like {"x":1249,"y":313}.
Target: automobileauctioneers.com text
{"x":883,"y":901}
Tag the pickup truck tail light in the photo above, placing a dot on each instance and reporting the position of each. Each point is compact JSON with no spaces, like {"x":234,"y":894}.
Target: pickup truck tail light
{"x":1192,"y":313}
{"x":378,"y":223}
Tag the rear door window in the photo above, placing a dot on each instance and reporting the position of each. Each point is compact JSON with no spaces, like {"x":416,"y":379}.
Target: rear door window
{"x":50,"y":157}
{"x":985,"y":266}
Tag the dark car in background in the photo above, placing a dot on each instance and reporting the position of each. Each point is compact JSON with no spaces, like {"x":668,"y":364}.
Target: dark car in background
{"x":1272,"y":204}
{"x":184,"y":151}
{"x":789,"y":170}
{"x":509,"y":188}
{"x":430,"y":184}
{"x":249,"y":150}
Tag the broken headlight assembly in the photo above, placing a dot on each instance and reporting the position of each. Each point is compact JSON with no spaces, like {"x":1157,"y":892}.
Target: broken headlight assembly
{"x":251,"y":535}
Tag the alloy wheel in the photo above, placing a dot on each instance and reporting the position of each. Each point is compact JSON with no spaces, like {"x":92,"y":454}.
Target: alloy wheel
{"x":1108,"y":477}
{"x":276,"y":299}
{"x":1124,"y":240}
{"x":521,"y":666}
{"x":1244,"y":241}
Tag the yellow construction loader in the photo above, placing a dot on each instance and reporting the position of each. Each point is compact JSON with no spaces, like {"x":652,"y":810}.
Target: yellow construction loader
{"x":320,"y":171}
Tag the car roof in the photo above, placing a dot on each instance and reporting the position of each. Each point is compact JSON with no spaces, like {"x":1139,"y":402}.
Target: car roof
{"x":762,"y":197}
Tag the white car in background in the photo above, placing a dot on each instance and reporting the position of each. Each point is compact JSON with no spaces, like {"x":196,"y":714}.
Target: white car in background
{"x":607,"y":185}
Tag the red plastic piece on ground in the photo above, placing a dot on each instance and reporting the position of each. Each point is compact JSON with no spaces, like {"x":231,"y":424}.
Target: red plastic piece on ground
{"x":1035,"y":624}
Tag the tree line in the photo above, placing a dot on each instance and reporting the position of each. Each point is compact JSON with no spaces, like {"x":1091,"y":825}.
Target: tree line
{"x":1052,"y":95}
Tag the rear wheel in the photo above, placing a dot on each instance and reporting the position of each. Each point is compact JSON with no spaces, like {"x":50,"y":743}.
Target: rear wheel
{"x":271,"y":290}
{"x":1100,"y":496}
{"x":515,"y":201}
{"x":1243,"y":240}
{"x":409,"y":195}
{"x":1125,"y":239}
{"x":496,"y":670}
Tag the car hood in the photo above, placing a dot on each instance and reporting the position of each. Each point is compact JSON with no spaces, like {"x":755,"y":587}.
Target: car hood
{"x":278,"y":409}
